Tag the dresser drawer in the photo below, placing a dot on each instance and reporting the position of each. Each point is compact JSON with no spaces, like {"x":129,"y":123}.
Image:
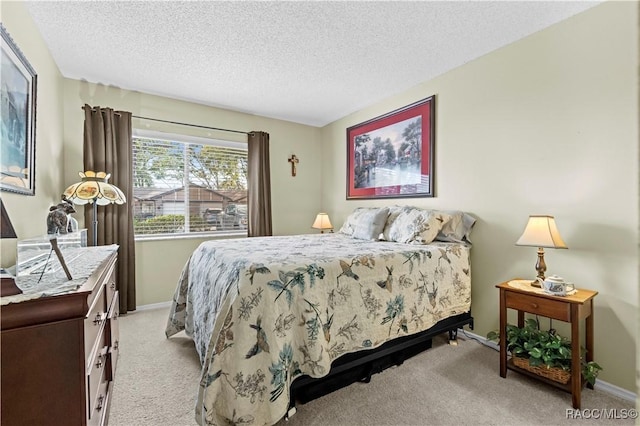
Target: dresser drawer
{"x":110,"y":284}
{"x":96,"y":378}
{"x":114,"y":333}
{"x":95,"y":321}
{"x":98,"y":411}
{"x":539,"y":305}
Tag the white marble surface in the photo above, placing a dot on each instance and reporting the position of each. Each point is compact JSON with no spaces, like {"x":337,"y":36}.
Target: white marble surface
{"x":82,"y":265}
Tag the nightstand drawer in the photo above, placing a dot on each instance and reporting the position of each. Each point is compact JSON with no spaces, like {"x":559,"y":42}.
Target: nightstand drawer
{"x":539,"y":305}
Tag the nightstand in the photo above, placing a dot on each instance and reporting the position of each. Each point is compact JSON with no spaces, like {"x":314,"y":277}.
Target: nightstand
{"x":571,"y":309}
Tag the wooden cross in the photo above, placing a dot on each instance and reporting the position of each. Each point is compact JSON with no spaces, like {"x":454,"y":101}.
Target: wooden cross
{"x":293,"y":160}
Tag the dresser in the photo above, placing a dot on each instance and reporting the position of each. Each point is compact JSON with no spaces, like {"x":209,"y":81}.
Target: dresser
{"x":59,"y":351}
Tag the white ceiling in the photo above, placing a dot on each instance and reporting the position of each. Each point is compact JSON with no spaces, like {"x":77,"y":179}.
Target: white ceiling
{"x":308,"y":62}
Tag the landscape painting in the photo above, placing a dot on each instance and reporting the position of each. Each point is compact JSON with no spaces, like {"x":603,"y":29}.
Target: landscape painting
{"x":391,"y":156}
{"x":17,"y":124}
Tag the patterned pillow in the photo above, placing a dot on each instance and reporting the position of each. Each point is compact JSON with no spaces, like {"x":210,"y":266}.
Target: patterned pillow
{"x":417,"y":226}
{"x":457,"y":230}
{"x":394,"y":212}
{"x":370,"y":224}
{"x":349,"y":225}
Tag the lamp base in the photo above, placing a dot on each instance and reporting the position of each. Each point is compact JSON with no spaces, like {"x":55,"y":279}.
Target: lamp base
{"x":9,"y":287}
{"x":541,"y":268}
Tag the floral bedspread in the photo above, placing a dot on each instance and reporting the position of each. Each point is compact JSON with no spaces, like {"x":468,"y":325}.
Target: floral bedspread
{"x":263,"y":311}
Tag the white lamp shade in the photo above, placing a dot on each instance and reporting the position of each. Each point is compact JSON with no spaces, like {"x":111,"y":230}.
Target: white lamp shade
{"x":541,"y":231}
{"x":322,"y":222}
{"x":94,"y":188}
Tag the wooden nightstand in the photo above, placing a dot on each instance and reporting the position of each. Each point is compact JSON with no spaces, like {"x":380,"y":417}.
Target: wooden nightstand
{"x":571,"y":309}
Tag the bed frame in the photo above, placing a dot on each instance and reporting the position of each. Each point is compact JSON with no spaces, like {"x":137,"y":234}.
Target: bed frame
{"x":360,"y":366}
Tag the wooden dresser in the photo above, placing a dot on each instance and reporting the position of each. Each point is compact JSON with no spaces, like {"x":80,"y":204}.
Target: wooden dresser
{"x":59,"y":354}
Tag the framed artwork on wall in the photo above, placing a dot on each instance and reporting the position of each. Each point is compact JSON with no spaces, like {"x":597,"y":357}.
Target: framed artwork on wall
{"x":18,"y":121}
{"x":391,"y":156}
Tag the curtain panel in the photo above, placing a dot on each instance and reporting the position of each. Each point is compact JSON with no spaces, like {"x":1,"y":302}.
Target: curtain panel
{"x":259,"y":185}
{"x":108,"y":148}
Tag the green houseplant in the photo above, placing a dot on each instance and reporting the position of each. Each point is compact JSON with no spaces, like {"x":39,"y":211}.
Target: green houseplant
{"x":544,"y":348}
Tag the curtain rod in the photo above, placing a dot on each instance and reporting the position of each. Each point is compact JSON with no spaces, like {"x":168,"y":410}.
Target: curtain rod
{"x":188,"y":124}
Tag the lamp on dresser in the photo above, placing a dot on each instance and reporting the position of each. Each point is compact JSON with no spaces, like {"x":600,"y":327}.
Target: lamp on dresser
{"x":94,"y":189}
{"x":541,"y":231}
{"x":9,"y":287}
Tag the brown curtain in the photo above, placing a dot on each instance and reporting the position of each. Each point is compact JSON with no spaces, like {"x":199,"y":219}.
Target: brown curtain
{"x":108,"y":148}
{"x":259,"y":190}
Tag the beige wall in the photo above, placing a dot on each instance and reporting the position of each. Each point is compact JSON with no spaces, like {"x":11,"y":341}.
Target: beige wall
{"x":28,"y":213}
{"x":546,"y":125}
{"x":295,"y":200}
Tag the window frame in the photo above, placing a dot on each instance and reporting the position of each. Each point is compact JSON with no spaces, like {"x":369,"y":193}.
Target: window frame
{"x":197,"y":140}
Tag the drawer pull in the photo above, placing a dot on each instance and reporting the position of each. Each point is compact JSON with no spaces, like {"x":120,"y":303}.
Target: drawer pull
{"x":116,"y":344}
{"x":113,"y":286}
{"x":99,"y":363}
{"x":100,"y":401}
{"x":116,"y":315}
{"x":98,"y":319}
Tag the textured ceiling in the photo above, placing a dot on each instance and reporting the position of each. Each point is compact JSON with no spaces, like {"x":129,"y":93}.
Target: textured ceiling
{"x":307,"y":62}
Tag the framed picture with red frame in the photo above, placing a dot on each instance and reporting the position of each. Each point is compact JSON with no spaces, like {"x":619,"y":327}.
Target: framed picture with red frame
{"x":391,"y":156}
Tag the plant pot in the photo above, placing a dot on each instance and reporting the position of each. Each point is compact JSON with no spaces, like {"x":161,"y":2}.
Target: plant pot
{"x":552,"y":373}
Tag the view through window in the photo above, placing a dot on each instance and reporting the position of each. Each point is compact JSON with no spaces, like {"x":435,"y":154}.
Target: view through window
{"x":185,"y":185}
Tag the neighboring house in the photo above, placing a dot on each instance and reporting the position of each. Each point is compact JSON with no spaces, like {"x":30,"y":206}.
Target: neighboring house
{"x":151,"y":202}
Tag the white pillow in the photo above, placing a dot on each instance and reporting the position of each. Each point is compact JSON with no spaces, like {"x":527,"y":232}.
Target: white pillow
{"x":370,"y":224}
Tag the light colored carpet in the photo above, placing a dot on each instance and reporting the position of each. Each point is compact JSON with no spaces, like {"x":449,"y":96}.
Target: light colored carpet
{"x":157,"y":383}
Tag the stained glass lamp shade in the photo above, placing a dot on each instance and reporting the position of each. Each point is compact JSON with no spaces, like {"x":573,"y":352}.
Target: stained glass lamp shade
{"x":94,"y":189}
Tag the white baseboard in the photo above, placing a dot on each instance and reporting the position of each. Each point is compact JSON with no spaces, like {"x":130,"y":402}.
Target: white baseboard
{"x":615,"y":391}
{"x":153,"y":306}
{"x":600,"y":384}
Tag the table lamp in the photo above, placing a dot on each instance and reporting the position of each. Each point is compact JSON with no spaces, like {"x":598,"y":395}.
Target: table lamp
{"x":322,"y":222}
{"x":94,"y":189}
{"x":541,"y":231}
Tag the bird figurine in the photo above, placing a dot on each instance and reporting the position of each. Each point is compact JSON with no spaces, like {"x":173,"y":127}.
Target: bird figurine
{"x":261,"y":343}
{"x":388,"y":282}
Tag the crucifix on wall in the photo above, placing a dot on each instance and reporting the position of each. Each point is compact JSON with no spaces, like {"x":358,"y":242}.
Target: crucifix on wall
{"x":294,"y":161}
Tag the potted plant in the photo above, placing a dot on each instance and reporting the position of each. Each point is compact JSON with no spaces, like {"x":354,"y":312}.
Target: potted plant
{"x":544,"y":352}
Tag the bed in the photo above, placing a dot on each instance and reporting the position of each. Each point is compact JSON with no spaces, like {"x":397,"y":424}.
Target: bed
{"x":264,"y":312}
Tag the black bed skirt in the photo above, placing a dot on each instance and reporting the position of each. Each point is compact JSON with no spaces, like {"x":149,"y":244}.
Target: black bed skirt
{"x":359,"y":366}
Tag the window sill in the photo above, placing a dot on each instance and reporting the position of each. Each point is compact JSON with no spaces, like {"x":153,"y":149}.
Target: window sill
{"x":192,"y":236}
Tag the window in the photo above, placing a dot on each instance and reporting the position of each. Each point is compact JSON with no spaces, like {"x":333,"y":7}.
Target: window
{"x":185,"y":185}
